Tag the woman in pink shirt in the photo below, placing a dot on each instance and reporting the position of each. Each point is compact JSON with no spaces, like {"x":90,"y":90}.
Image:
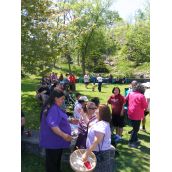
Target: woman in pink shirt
{"x":136,"y":106}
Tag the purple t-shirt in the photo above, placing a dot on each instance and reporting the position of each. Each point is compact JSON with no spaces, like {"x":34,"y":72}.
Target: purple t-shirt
{"x":55,"y":118}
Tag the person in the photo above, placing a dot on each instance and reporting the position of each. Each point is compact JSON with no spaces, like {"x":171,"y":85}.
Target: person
{"x":86,"y":80}
{"x":22,"y":122}
{"x":42,"y":94}
{"x":110,"y":78}
{"x":55,"y":131}
{"x":72,"y":81}
{"x":53,"y":77}
{"x":65,"y":82}
{"x":130,"y":89}
{"x":87,"y":120}
{"x":100,"y":80}
{"x":61,"y":77}
{"x":136,"y":105}
{"x":77,"y":95}
{"x":99,"y":141}
{"x":96,"y":100}
{"x":80,"y":107}
{"x":147,"y":111}
{"x":117,"y":101}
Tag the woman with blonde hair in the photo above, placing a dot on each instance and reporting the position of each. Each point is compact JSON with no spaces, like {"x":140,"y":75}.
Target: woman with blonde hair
{"x":87,"y":120}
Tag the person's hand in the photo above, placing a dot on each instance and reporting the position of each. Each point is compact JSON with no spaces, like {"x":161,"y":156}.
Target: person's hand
{"x":84,"y":157}
{"x":122,"y":114}
{"x":74,"y":121}
{"x":67,"y":137}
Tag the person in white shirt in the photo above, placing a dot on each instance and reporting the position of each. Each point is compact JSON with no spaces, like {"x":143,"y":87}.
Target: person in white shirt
{"x":100,"y":80}
{"x":79,"y":108}
{"x":99,"y":141}
{"x":86,"y":80}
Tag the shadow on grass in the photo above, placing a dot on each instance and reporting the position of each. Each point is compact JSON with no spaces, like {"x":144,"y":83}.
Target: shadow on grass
{"x":144,"y":137}
{"x":132,"y":160}
{"x":144,"y":149}
{"x":29,"y":85}
{"x":31,"y":163}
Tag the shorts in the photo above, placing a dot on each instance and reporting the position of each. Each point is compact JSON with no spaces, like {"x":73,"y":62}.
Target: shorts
{"x":86,"y":83}
{"x":118,"y":121}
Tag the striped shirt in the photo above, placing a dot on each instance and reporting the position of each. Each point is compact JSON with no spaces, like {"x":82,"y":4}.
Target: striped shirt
{"x":82,"y":126}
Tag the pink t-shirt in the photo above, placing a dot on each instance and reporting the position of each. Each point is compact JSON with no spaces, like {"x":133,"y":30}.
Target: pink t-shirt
{"x":136,"y":105}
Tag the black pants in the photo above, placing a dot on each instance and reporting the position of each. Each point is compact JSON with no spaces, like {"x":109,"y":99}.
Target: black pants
{"x":53,"y":160}
{"x":136,"y":126}
{"x":72,"y":87}
{"x":99,"y":86}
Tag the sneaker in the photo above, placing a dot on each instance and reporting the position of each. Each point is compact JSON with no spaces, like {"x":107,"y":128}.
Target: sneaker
{"x":143,"y":129}
{"x":117,"y":138}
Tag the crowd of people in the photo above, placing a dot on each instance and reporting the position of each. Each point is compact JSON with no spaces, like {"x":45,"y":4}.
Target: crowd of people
{"x":95,"y":121}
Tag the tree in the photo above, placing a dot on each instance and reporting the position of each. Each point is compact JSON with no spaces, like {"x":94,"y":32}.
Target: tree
{"x":63,"y":29}
{"x":93,"y":15}
{"x":37,"y":48}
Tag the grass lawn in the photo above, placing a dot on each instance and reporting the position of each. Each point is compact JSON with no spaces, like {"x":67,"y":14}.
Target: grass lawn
{"x":129,"y":160}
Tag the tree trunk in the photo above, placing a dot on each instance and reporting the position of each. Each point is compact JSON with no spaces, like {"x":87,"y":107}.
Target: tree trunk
{"x":83,"y":63}
{"x":54,"y":63}
{"x":69,"y":61}
{"x":78,"y":62}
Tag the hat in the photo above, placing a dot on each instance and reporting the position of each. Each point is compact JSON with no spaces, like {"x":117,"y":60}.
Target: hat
{"x":84,"y":98}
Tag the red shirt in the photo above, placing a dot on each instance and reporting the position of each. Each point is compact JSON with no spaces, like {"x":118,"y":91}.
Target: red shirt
{"x":72,"y":79}
{"x":136,"y":105}
{"x":116,"y":102}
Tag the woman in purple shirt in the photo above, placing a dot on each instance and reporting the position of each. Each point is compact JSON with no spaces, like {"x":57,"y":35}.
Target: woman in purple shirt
{"x":55,"y":131}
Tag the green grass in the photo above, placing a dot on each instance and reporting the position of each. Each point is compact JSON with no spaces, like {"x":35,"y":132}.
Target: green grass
{"x":28,"y":102}
{"x":31,"y":163}
{"x":130,"y":159}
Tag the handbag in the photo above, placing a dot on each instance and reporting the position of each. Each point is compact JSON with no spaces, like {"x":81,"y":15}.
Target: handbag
{"x":81,"y":140}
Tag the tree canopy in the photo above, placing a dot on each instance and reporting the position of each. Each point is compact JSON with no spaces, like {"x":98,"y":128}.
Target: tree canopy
{"x":84,"y":32}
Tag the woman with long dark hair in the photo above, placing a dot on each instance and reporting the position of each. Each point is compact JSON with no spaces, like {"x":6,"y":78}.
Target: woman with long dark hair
{"x":55,"y":131}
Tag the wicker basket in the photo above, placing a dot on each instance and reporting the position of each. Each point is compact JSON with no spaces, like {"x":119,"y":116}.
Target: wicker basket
{"x":77,"y":164}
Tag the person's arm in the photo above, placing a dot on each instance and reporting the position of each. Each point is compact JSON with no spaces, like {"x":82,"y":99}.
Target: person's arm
{"x":59,"y":132}
{"x":122,"y":102}
{"x":144,"y":102}
{"x":97,"y":139}
{"x":109,"y":100}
